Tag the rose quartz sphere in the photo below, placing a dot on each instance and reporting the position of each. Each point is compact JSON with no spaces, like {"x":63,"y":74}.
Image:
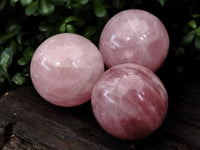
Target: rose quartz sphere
{"x":64,"y":69}
{"x":129,"y":101}
{"x":134,"y":36}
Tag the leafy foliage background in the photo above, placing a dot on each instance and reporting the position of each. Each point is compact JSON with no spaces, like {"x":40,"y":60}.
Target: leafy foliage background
{"x":24,"y":24}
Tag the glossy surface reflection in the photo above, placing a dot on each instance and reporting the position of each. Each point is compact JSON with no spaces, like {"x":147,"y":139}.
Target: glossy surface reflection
{"x":134,"y":36}
{"x":65,"y":68}
{"x":129,"y":101}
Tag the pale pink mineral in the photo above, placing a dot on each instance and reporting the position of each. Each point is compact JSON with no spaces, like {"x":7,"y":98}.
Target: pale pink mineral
{"x":129,"y":101}
{"x":65,"y":68}
{"x":134,"y":36}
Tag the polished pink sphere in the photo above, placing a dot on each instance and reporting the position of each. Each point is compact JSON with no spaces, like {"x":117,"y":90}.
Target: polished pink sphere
{"x":129,"y":101}
{"x":134,"y":36}
{"x":65,"y":68}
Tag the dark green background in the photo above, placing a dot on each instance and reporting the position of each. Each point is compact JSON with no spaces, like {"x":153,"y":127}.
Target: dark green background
{"x":24,"y":24}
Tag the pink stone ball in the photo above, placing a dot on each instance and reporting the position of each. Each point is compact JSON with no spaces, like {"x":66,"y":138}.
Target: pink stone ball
{"x":129,"y":101}
{"x":64,"y":69}
{"x":134,"y":36}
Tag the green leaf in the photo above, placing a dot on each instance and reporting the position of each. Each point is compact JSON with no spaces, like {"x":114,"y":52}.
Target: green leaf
{"x":2,"y":4}
{"x":6,"y":58}
{"x":89,"y":31}
{"x":43,"y":27}
{"x":18,"y":79}
{"x":99,"y":8}
{"x":62,"y":28}
{"x":13,"y":27}
{"x":162,"y":2}
{"x":197,"y":42}
{"x":14,"y":47}
{"x":83,"y":2}
{"x":77,"y":6}
{"x":3,"y":61}
{"x":26,"y":71}
{"x":45,"y":7}
{"x":23,"y":61}
{"x":192,"y":24}
{"x":70,"y":19}
{"x":19,"y":38}
{"x":48,"y":29}
{"x":7,"y":36}
{"x":13,"y":2}
{"x":28,"y":52}
{"x":196,"y":15}
{"x":76,"y":21}
{"x":179,"y":51}
{"x":197,"y":31}
{"x":31,"y":8}
{"x":27,"y":55}
{"x":188,"y":38}
{"x":71,"y":29}
{"x":68,"y":4}
{"x":25,"y":2}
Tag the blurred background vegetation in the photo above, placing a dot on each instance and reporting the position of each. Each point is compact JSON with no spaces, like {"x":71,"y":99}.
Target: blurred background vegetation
{"x":24,"y":24}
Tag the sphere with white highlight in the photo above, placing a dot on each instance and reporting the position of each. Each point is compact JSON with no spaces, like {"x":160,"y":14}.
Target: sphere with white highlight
{"x":65,"y":68}
{"x":134,"y":36}
{"x":129,"y":101}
